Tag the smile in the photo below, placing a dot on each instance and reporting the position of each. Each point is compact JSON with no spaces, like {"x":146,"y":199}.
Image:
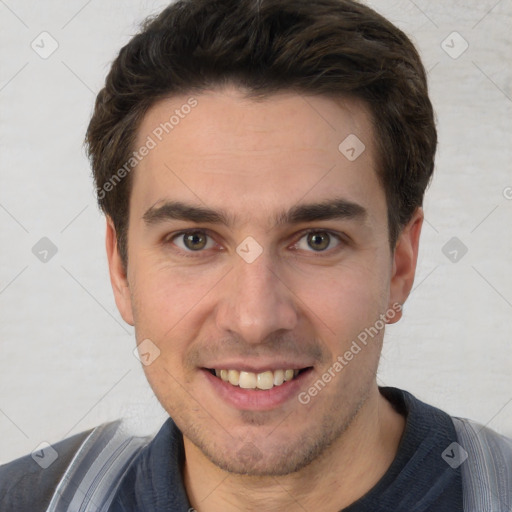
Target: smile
{"x":262,"y":389}
{"x":249,"y":380}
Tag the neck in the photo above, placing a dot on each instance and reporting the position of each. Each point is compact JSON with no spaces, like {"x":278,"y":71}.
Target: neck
{"x":346,"y":471}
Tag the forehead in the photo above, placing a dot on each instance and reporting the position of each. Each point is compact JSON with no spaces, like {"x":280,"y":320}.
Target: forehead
{"x":219,"y":147}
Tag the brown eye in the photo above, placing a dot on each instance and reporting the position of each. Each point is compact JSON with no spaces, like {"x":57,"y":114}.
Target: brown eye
{"x":319,"y":241}
{"x":192,"y":241}
{"x":195,"y":241}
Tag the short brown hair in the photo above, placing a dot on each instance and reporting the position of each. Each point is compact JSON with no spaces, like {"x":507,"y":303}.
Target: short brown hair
{"x":331,"y":48}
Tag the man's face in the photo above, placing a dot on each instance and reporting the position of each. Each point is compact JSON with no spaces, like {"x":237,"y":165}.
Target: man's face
{"x":211,"y":301}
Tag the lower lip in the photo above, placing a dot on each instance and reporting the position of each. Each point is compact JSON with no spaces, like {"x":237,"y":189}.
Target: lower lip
{"x":257,"y":399}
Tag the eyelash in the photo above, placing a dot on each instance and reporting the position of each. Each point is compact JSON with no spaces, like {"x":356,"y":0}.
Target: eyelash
{"x":194,"y":254}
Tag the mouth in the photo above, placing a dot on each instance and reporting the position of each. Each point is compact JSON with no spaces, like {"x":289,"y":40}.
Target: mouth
{"x":263,"y":381}
{"x":257,"y":385}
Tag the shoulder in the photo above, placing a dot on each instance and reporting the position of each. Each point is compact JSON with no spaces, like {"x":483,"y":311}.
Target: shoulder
{"x":481,"y":439}
{"x":485,"y":458}
{"x":86,"y":472}
{"x":25,"y":482}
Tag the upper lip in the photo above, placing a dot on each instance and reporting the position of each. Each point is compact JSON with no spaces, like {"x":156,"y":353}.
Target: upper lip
{"x":258,"y":367}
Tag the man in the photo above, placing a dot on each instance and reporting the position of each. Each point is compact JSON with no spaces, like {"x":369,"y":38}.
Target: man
{"x":262,"y":167}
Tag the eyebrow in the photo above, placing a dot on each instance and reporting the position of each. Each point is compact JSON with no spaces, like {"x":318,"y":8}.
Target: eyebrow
{"x":339,"y":208}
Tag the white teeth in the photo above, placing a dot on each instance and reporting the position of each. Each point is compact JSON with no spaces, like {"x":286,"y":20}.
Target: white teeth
{"x":278,"y":377}
{"x":234,"y":377}
{"x":265,"y":380}
{"x":250,"y":380}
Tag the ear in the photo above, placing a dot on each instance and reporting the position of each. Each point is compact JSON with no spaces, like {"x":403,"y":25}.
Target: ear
{"x":404,"y":262}
{"x":118,"y":277}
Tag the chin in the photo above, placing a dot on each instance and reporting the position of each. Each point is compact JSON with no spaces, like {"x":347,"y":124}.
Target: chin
{"x":282,"y":455}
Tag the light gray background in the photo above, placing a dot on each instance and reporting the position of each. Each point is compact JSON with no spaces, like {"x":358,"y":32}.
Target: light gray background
{"x":66,"y":360}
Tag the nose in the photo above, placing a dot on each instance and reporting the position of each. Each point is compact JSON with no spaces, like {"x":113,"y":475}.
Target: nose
{"x":256,"y":302}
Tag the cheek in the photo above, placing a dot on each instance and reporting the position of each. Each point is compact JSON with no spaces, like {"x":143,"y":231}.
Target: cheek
{"x":170,"y":308}
{"x":164,"y":295}
{"x":345,"y":299}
